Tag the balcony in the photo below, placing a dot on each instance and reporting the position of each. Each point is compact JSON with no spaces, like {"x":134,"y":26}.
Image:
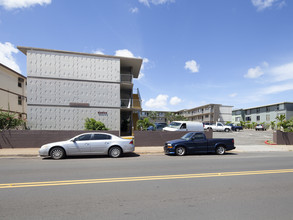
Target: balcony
{"x":126,"y":78}
{"x":134,"y":103}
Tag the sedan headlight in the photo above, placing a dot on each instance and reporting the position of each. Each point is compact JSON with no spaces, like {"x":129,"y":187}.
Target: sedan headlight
{"x":45,"y":147}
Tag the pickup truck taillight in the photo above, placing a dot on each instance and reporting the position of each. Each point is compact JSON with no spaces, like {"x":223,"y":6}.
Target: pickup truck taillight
{"x":131,"y":142}
{"x":233,"y":141}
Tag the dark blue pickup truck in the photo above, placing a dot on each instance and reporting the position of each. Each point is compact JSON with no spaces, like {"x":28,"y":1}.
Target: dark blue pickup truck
{"x":196,"y":142}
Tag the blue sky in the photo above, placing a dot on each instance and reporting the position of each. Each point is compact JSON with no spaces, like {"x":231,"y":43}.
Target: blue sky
{"x":196,"y":52}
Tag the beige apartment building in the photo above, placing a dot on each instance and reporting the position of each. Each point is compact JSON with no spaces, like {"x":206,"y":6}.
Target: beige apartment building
{"x":12,"y":92}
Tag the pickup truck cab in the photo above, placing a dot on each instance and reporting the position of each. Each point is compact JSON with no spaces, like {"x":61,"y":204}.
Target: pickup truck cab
{"x":218,"y":127}
{"x":196,"y":142}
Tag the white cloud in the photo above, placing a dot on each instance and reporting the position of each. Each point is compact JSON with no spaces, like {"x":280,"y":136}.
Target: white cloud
{"x":277,"y":89}
{"x":175,"y":100}
{"x":192,"y":66}
{"x":263,"y":4}
{"x":233,"y":95}
{"x":6,"y":58}
{"x":155,"y":2}
{"x":99,"y":51}
{"x":254,"y":73}
{"x":283,"y":72}
{"x":12,"y":4}
{"x":124,"y":53}
{"x":134,"y":10}
{"x":160,"y":102}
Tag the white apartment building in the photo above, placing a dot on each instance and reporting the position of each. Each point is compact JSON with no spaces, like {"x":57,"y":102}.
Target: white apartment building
{"x":211,"y":113}
{"x":64,"y":88}
{"x":12,"y":92}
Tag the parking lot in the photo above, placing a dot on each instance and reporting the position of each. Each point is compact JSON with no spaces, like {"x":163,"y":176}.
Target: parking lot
{"x":247,"y":136}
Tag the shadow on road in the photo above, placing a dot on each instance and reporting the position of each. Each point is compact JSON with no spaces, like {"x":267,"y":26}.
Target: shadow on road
{"x":127,"y":155}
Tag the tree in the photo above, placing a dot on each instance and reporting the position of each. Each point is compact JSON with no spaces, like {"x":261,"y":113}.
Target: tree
{"x":228,"y":122}
{"x":9,"y":120}
{"x":92,"y":124}
{"x":144,"y":124}
{"x":281,"y":119}
{"x":273,"y":125}
{"x":170,"y":116}
{"x":153,"y":115}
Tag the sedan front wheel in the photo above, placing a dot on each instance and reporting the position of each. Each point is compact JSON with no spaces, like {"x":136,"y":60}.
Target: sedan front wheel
{"x":57,"y":153}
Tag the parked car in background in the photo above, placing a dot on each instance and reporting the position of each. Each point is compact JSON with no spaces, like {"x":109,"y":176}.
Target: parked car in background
{"x":196,"y":142}
{"x":158,"y":126}
{"x":260,"y":127}
{"x":235,"y":127}
{"x":184,"y":126}
{"x":218,"y":127}
{"x":88,"y":144}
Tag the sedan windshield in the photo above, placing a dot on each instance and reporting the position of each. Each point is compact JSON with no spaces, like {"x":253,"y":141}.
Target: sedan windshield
{"x":187,"y":136}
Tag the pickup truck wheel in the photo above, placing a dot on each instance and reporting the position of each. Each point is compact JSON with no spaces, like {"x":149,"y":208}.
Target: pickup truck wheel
{"x":180,"y":151}
{"x":227,"y":130}
{"x":237,"y":129}
{"x":220,"y":150}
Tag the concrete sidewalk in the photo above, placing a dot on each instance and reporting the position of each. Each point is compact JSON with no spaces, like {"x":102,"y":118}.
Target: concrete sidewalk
{"x":33,"y":152}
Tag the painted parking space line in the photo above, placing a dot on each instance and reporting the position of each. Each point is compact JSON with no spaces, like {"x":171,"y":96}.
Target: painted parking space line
{"x":141,"y":178}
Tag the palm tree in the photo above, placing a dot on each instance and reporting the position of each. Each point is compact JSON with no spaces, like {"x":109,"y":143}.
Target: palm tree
{"x":144,"y":124}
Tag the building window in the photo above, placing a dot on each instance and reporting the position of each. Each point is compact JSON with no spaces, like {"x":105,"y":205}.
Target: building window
{"x":248,"y":118}
{"x":19,"y":84}
{"x":237,"y":119}
{"x":258,"y":118}
{"x":257,"y":110}
{"x":267,"y":109}
{"x":268,"y":118}
{"x":19,"y":100}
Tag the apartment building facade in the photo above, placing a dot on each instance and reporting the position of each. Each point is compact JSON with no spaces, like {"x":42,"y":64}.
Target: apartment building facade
{"x":207,"y":113}
{"x":13,"y":92}
{"x":263,"y":114}
{"x":64,"y":88}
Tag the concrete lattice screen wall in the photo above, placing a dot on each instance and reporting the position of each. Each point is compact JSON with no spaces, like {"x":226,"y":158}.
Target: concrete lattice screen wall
{"x":37,"y":138}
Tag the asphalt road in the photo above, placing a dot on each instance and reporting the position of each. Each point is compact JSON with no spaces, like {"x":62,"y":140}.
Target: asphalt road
{"x":232,"y":186}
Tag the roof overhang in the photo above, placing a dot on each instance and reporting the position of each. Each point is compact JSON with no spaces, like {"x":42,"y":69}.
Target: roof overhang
{"x":134,"y":63}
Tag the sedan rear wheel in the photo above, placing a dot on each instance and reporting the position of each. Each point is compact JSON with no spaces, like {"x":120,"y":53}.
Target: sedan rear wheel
{"x":220,"y":150}
{"x":57,"y":153}
{"x":115,"y":152}
{"x":180,"y":151}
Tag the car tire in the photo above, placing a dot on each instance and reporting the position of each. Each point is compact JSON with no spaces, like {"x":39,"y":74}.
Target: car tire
{"x":180,"y":151}
{"x":237,"y":129}
{"x":227,"y":130}
{"x":115,"y":152}
{"x":220,"y":150}
{"x":57,"y":153}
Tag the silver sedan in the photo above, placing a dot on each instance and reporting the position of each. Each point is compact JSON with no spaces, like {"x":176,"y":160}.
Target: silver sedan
{"x":88,"y":144}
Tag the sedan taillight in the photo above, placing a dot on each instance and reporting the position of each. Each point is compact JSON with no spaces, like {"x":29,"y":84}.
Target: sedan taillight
{"x":131,"y":142}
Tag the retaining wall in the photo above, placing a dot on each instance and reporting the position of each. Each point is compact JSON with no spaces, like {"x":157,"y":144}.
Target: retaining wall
{"x":283,"y":138}
{"x":37,"y":138}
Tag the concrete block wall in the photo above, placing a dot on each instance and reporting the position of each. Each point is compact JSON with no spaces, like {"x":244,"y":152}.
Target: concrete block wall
{"x":64,"y":89}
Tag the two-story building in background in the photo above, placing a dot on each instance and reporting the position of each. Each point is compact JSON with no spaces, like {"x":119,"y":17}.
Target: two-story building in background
{"x":211,"y":113}
{"x":12,"y":92}
{"x":64,"y":88}
{"x":263,"y":114}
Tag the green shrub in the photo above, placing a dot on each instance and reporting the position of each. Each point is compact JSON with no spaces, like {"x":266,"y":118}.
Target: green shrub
{"x":9,"y":120}
{"x":92,"y":124}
